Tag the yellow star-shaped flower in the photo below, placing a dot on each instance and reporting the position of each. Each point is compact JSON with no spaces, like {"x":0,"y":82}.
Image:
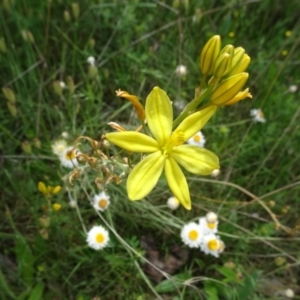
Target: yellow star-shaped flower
{"x":166,"y":148}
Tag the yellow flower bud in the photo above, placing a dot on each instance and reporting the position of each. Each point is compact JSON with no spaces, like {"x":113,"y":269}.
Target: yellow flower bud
{"x":237,"y":59}
{"x":242,"y":66}
{"x":9,"y":95}
{"x":209,"y":55}
{"x":42,"y":187}
{"x":239,"y":96}
{"x":70,"y":85}
{"x":92,"y":72}
{"x":44,"y":221}
{"x":12,"y":108}
{"x":228,"y":89}
{"x":75,"y":10}
{"x":67,"y":16}
{"x":56,"y":206}
{"x":26,"y":147}
{"x":3,"y":47}
{"x":223,"y":65}
{"x":228,"y":49}
{"x":56,"y":189}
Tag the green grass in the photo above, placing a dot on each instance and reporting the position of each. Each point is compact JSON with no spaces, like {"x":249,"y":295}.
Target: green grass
{"x":138,"y":45}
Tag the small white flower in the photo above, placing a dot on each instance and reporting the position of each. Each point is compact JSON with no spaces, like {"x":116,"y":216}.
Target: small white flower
{"x":211,"y":217}
{"x":192,"y":235}
{"x":101,"y":201}
{"x":293,"y":88}
{"x":215,"y":173}
{"x":68,"y":157}
{"x":91,"y":60}
{"x":72,"y":203}
{"x":97,"y":237}
{"x":181,"y":70}
{"x":257,"y":115}
{"x":289,"y":293}
{"x":197,"y":140}
{"x":62,"y":84}
{"x":173,"y":203}
{"x":65,"y":134}
{"x":59,"y":147}
{"x":208,"y":227}
{"x":212,"y":245}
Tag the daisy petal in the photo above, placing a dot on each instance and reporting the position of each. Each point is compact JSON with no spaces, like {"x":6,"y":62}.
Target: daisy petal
{"x":177,"y":182}
{"x":194,"y":122}
{"x":196,"y":160}
{"x":133,"y":141}
{"x":145,"y":175}
{"x":159,"y":115}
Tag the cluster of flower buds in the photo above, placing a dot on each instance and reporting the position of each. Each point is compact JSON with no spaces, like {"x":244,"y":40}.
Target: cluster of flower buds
{"x":227,"y":67}
{"x":202,"y":235}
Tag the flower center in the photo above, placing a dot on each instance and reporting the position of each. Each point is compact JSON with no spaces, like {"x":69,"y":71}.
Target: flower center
{"x":193,"y":235}
{"x":197,"y":138}
{"x":211,"y":225}
{"x":102,"y":203}
{"x":260,"y":114}
{"x":177,"y":138}
{"x":70,"y":155}
{"x":212,"y":245}
{"x":100,"y":238}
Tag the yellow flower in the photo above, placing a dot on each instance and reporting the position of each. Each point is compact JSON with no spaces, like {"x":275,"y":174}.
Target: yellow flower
{"x":48,"y":190}
{"x":239,"y":96}
{"x":166,"y":148}
{"x":56,"y":206}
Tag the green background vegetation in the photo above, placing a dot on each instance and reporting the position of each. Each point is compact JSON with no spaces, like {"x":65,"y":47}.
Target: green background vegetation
{"x":138,"y":45}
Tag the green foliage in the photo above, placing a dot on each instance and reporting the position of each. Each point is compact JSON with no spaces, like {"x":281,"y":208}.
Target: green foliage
{"x":138,"y":45}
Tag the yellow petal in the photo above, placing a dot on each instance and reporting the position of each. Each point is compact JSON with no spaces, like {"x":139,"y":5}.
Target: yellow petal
{"x":135,"y":102}
{"x":196,"y":160}
{"x":194,"y":122}
{"x":56,"y":189}
{"x":177,"y":182}
{"x":133,"y":141}
{"x":42,"y":187}
{"x":144,"y":176}
{"x":159,"y":115}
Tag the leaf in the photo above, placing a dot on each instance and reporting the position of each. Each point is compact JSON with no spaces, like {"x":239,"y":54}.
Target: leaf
{"x":249,"y":285}
{"x":171,"y":285}
{"x":210,"y":289}
{"x":37,"y":292}
{"x":5,"y":287}
{"x":25,"y":260}
{"x":230,"y":275}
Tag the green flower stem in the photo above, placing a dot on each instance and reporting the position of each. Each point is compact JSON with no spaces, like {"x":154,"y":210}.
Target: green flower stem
{"x":191,"y":106}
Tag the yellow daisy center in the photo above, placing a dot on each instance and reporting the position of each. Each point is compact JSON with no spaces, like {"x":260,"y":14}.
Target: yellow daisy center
{"x":60,"y":148}
{"x":260,"y":114}
{"x":197,"y":138}
{"x":193,"y":235}
{"x":70,"y":155}
{"x":100,"y":238}
{"x":211,"y":225}
{"x":102,"y":203}
{"x":213,"y":245}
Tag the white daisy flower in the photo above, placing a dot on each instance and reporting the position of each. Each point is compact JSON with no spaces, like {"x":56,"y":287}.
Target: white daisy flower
{"x":215,"y":173}
{"x":208,"y":227}
{"x":197,"y":140}
{"x":173,"y":203}
{"x":257,"y":115}
{"x":181,"y":70}
{"x":91,"y":60}
{"x":289,"y":293}
{"x":192,"y":235}
{"x":212,"y":245}
{"x":97,"y":237}
{"x":211,"y":217}
{"x":101,"y":201}
{"x":59,"y":147}
{"x":68,"y":157}
{"x":293,"y":88}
